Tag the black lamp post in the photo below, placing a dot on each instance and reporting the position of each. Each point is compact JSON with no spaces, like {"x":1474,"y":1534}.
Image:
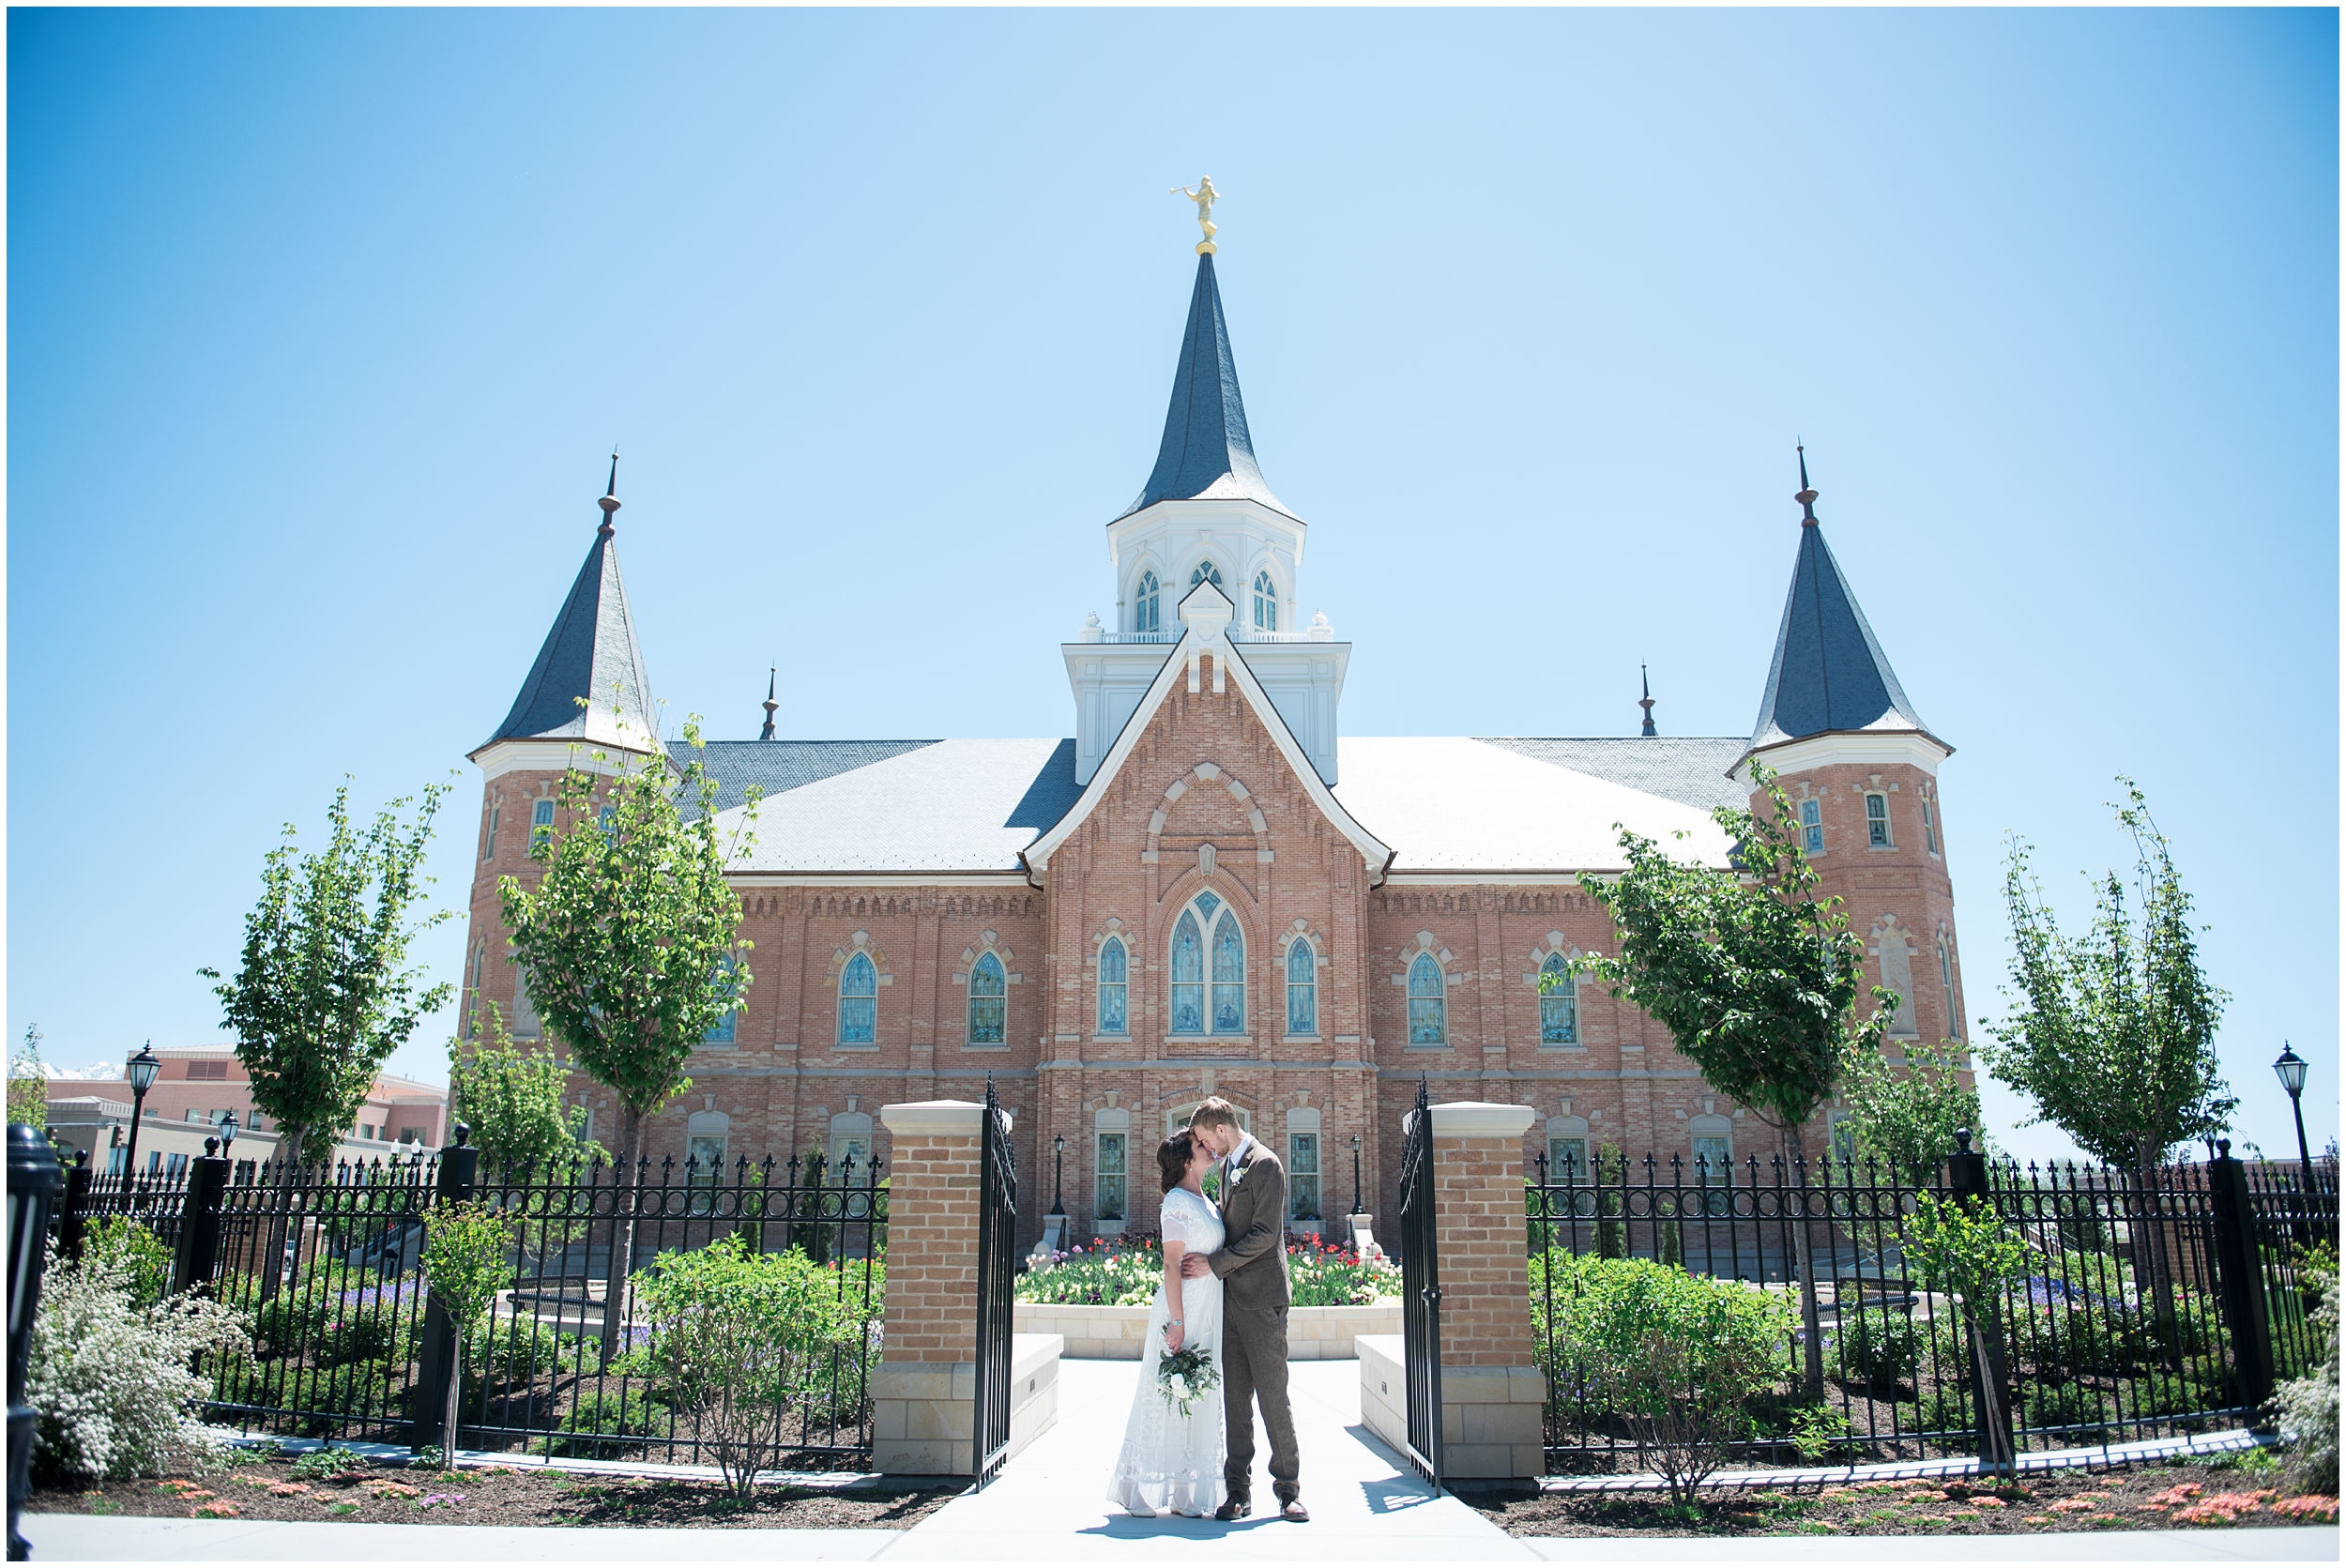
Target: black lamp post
{"x":228,"y":1137}
{"x":2291,"y":1071}
{"x":33,"y":1182}
{"x":1058,"y":1168}
{"x":141,"y":1070}
{"x":1356,"y":1175}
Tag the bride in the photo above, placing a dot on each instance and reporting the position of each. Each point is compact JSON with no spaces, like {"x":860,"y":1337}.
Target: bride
{"x":1172,"y":1461}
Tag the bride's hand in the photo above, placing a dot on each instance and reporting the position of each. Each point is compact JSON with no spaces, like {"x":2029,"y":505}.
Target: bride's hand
{"x":1172,"y":1338}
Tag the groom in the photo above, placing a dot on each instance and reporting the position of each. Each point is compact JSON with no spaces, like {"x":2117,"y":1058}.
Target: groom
{"x":1252,"y":1267}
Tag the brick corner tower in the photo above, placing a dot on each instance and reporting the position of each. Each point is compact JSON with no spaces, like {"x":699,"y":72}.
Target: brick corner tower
{"x":587,"y":697}
{"x":1860,"y":770}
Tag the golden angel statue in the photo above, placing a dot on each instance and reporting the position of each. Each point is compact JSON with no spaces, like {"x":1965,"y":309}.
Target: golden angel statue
{"x":1205,"y":197}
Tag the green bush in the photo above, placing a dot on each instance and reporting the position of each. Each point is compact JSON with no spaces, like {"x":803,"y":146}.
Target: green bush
{"x":2065,"y":1405}
{"x":130,"y":1251}
{"x":325,"y":1464}
{"x":599,"y":1426}
{"x":1878,"y":1347}
{"x":1679,"y":1358}
{"x":2306,"y":1407}
{"x":365,"y":1335}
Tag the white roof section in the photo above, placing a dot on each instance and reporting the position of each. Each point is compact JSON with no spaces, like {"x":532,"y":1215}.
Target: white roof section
{"x":951,"y":806}
{"x":1457,"y":804}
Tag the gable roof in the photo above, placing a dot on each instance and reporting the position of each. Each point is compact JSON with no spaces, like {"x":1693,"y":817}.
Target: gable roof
{"x":590,"y":652}
{"x":1829,"y":673}
{"x":1206,"y":453}
{"x":1690,"y":769}
{"x":1455,"y":804}
{"x":778,"y":767}
{"x":926,"y":806}
{"x":1199,"y":638}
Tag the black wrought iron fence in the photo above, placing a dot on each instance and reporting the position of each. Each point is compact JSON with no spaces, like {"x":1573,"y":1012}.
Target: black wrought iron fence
{"x":327,"y":1259}
{"x":2117,"y":1326}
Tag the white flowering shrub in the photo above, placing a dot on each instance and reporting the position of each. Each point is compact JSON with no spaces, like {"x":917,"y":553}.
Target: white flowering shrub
{"x":2308,"y":1406}
{"x":111,"y":1379}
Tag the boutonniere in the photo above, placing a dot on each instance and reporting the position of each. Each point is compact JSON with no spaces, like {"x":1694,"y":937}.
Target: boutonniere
{"x":1238,"y":1173}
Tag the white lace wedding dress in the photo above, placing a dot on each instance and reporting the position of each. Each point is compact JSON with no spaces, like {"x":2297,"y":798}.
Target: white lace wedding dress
{"x":1169,"y":1460}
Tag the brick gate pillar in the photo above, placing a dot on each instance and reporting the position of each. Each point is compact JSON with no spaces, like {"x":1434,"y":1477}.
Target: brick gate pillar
{"x":924,"y":1391}
{"x":1492,"y":1390}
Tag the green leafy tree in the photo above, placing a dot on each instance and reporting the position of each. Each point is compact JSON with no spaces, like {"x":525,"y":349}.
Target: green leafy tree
{"x":630,"y":942}
{"x":464,"y":1263}
{"x":510,"y":1097}
{"x":1756,"y":975}
{"x":2114,"y":1034}
{"x":325,"y":993}
{"x":1907,"y":1121}
{"x":28,"y":1082}
{"x":1963,"y":1248}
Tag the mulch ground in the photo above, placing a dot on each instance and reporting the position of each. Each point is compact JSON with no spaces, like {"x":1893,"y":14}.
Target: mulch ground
{"x":494,"y":1495}
{"x":2150,"y":1497}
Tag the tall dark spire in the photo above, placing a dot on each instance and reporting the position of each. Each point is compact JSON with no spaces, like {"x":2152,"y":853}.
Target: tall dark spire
{"x":1645,"y":700}
{"x":1207,"y":454}
{"x":590,"y":652}
{"x":1829,"y":673}
{"x":770,"y":704}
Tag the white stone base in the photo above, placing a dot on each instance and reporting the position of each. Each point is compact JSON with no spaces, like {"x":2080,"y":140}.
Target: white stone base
{"x":923,"y":1414}
{"x":1114,"y":1333}
{"x":1490,"y":1415}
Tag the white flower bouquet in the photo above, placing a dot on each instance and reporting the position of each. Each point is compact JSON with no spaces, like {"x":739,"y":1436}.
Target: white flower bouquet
{"x":1186,"y":1376}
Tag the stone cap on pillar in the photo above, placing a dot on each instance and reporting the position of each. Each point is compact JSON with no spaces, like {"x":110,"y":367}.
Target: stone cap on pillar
{"x":946,"y":1118}
{"x":1478,"y":1119}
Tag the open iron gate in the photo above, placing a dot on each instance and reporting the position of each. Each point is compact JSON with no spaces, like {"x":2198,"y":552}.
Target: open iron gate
{"x":1421,"y":1290}
{"x":998,"y":1263}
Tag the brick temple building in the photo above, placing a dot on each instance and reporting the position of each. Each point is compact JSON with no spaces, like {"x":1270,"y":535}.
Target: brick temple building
{"x":1208,"y":888}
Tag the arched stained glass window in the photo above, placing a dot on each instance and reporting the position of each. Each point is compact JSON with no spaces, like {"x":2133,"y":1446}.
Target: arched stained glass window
{"x":1206,"y":573}
{"x":1112,"y":986}
{"x":725,"y":983}
{"x":1189,"y":974}
{"x":1559,"y":1003}
{"x":1145,"y":604}
{"x":859,"y":1001}
{"x":1266,"y":603}
{"x":1427,"y":1027}
{"x":986,"y":1000}
{"x":1303,"y":988}
{"x":1229,"y":976}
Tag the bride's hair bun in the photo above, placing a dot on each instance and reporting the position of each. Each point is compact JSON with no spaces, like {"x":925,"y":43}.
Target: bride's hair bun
{"x":1173,"y":1160}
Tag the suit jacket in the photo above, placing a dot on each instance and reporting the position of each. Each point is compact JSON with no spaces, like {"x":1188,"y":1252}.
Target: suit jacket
{"x":1253,"y":1262}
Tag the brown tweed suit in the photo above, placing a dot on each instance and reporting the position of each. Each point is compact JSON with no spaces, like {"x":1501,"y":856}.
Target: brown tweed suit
{"x":1252,"y":1267}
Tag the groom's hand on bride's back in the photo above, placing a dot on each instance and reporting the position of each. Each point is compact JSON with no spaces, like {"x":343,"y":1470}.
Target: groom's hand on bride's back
{"x":1195,"y":1267}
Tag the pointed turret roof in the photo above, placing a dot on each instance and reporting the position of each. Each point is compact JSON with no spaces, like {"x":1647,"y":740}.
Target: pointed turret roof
{"x":1207,"y":454}
{"x":1829,"y":673}
{"x":590,"y":652}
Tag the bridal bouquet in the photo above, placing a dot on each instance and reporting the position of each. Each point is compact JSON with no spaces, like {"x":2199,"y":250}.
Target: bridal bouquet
{"x":1186,"y":1376}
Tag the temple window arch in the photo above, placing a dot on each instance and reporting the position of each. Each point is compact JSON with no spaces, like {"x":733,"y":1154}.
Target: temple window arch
{"x":1115,"y":988}
{"x":1266,"y":602}
{"x":989,"y":1005}
{"x":1303,"y":988}
{"x":1147,"y":603}
{"x":859,"y":1001}
{"x":1208,"y":967}
{"x":1429,"y":1024}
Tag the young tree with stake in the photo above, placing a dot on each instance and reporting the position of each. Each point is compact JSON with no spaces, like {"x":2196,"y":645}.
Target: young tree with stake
{"x":324,"y":994}
{"x":1757,"y":976}
{"x":629,"y":943}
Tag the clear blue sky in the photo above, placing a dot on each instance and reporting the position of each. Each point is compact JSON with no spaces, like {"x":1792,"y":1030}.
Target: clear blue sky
{"x":322,"y":324}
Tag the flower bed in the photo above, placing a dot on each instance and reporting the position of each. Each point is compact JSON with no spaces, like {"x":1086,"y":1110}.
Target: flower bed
{"x":1124,"y":1272}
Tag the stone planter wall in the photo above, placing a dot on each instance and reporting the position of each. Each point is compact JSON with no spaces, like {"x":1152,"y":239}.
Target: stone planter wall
{"x":1114,"y":1333}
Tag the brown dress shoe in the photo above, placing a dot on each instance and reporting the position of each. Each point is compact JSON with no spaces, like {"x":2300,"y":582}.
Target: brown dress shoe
{"x":1294,"y":1513}
{"x":1237,"y":1508}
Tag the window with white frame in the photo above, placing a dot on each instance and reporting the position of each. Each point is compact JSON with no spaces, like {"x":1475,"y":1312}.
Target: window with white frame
{"x":1207,"y":938}
{"x":1559,"y":1003}
{"x":1878,"y":822}
{"x":525,"y":1010}
{"x":1930,"y":829}
{"x":1812,"y":827}
{"x":489,"y":840}
{"x":1946,"y":988}
{"x":851,"y":1140}
{"x":1112,"y":986}
{"x":859,"y":1000}
{"x":1303,"y":988}
{"x":1842,"y":1136}
{"x":1711,"y":1141}
{"x":1145,"y":604}
{"x":1428,"y":1026}
{"x":540,"y":824}
{"x":1303,"y":1176}
{"x":1266,"y":603}
{"x":988,"y":1003}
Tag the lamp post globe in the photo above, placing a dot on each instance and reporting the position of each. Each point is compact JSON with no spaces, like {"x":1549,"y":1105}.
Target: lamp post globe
{"x":228,"y":1131}
{"x":141,"y":1070}
{"x":2291,"y":1071}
